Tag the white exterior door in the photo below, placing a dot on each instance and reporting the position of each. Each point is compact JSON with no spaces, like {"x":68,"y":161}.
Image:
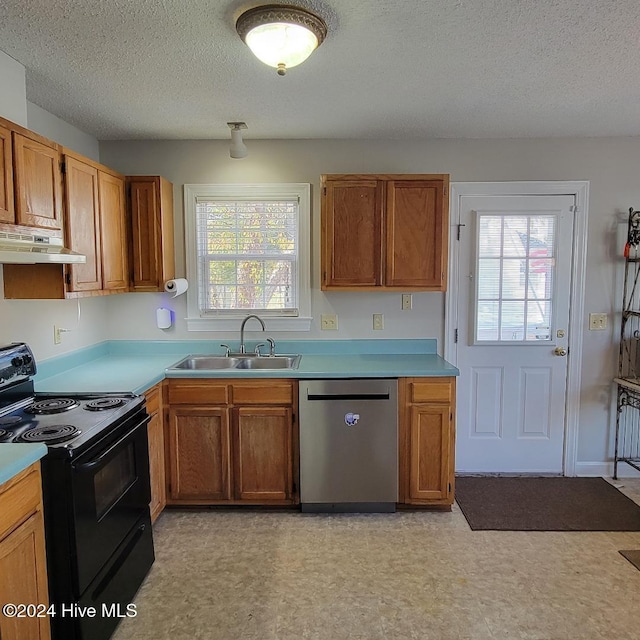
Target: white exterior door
{"x":514,"y":281}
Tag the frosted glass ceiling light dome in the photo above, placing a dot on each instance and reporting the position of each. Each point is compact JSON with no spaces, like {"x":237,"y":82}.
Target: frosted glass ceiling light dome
{"x":281,"y":36}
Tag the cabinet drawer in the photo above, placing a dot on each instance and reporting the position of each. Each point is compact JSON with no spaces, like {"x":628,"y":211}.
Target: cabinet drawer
{"x":153,"y":400}
{"x":19,"y":498}
{"x":197,"y":392}
{"x":432,"y":390}
{"x":263,"y":393}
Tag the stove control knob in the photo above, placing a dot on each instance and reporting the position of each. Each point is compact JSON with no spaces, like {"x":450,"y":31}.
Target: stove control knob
{"x":18,"y":362}
{"x":27,"y":359}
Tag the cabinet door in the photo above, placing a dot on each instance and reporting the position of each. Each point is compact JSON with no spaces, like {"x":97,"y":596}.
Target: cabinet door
{"x":23,"y":579}
{"x":114,"y":232}
{"x":352,"y":233}
{"x":263,"y":461}
{"x":152,"y":251}
{"x":83,"y":224}
{"x":7,"y":212}
{"x":430,"y":452}
{"x":200,"y":457}
{"x":416,"y":234}
{"x":155,"y":430}
{"x":38,"y":183}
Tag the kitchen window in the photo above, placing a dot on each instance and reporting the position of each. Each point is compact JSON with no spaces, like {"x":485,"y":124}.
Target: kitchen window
{"x":248,"y":252}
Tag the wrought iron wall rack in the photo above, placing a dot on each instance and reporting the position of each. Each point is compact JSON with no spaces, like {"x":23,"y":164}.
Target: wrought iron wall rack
{"x":627,"y":441}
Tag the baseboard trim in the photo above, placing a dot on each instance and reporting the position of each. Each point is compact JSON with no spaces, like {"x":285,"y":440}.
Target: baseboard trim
{"x":605,"y":469}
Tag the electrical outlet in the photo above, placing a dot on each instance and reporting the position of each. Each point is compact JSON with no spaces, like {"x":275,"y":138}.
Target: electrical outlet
{"x":57,"y":335}
{"x":329,"y":322}
{"x":597,"y":321}
{"x":378,"y":321}
{"x":407,"y":301}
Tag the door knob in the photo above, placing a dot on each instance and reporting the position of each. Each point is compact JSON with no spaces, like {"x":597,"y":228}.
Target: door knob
{"x":560,"y":351}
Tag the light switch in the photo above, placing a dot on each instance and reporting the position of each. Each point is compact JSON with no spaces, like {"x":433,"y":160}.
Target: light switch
{"x":378,"y":321}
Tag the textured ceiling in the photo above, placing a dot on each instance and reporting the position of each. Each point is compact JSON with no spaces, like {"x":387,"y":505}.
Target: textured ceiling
{"x":122,"y":69}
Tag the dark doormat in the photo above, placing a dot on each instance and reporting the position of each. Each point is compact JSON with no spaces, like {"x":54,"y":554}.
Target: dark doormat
{"x":545,"y":504}
{"x":633,"y":556}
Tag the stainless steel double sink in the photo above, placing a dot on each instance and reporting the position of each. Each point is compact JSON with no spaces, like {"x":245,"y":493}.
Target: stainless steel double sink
{"x":244,"y":361}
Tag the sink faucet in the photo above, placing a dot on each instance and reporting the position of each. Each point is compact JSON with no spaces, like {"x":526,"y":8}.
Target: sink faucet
{"x":258,"y":318}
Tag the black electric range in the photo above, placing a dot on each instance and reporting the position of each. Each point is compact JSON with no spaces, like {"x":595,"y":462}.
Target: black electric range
{"x":95,"y":484}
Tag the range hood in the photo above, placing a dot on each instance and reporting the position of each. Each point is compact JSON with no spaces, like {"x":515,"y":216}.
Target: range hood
{"x":18,"y":248}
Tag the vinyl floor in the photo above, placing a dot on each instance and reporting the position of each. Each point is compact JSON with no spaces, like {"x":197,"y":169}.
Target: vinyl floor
{"x":229,"y":575}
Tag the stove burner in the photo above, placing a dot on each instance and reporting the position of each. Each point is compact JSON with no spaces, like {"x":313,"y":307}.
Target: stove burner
{"x":52,"y":405}
{"x":102,"y":404}
{"x":50,"y":435}
{"x":4,"y":433}
{"x":9,"y":420}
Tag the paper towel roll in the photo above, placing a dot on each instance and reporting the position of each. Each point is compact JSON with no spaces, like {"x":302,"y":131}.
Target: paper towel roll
{"x":177,"y":286}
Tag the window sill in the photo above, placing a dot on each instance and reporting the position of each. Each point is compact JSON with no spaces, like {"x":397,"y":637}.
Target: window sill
{"x":233,"y":324}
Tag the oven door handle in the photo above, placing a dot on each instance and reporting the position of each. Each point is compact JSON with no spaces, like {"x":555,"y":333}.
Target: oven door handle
{"x":96,"y":461}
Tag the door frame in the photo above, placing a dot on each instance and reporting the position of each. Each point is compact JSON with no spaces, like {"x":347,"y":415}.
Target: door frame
{"x":580,"y":190}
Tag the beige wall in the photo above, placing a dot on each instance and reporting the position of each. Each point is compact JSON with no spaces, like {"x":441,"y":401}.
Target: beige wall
{"x":54,"y":128}
{"x":13,"y":97}
{"x":611,"y":166}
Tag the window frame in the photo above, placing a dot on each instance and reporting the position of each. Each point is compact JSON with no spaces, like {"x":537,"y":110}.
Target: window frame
{"x":229,"y":321}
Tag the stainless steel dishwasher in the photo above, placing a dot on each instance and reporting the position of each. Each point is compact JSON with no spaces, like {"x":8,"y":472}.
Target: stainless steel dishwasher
{"x":349,"y":445}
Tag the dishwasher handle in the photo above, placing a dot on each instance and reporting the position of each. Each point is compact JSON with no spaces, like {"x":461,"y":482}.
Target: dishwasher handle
{"x":348,"y":396}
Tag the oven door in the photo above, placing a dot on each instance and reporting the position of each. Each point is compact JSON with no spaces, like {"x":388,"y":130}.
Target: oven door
{"x":110,"y":493}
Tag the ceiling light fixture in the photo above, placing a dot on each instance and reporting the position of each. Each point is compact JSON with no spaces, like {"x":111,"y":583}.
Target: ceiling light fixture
{"x":238,"y":148}
{"x":281,"y":36}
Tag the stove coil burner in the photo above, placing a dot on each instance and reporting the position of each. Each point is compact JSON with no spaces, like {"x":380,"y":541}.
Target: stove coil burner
{"x":102,"y":404}
{"x":52,"y":405}
{"x":50,"y":435}
{"x":8,"y":421}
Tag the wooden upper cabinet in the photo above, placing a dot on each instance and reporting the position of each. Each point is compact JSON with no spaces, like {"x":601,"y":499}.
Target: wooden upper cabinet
{"x":352,"y":232}
{"x":38,"y":182}
{"x":384,"y":231}
{"x":7,"y":210}
{"x":83,"y":224}
{"x":151,"y":214}
{"x":113,"y":230}
{"x":416,"y":234}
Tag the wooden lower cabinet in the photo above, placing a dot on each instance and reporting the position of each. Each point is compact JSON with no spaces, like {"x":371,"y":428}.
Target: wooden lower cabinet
{"x":263,"y":460}
{"x":23,"y":566}
{"x":199,"y":455}
{"x":155,"y":432}
{"x":427,"y":441}
{"x":232,"y":442}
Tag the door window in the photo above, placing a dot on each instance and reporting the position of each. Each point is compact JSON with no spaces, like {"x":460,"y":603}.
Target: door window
{"x":515,"y":275}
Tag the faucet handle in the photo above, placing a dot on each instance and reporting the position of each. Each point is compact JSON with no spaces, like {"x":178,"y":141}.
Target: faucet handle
{"x":228,"y":348}
{"x":272,"y":346}
{"x":257,"y":349}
